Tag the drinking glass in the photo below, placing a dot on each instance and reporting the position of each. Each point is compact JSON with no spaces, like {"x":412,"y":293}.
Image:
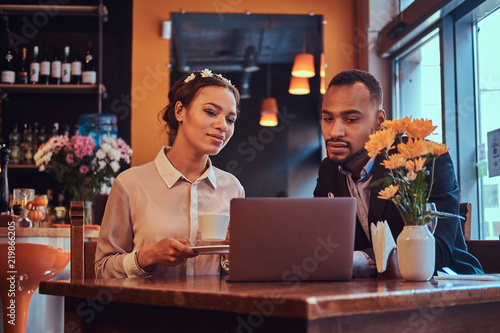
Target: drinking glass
{"x":36,"y":212}
{"x":21,"y":196}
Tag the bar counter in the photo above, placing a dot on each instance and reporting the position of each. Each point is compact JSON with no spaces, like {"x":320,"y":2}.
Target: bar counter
{"x":213,"y":304}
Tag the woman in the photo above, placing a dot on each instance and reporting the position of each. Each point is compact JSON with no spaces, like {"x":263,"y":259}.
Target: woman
{"x":151,"y":218}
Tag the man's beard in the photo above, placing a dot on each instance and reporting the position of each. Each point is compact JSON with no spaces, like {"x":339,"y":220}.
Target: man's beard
{"x":349,"y":158}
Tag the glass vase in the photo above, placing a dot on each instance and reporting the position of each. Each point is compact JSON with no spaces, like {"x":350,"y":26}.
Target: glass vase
{"x":88,"y":212}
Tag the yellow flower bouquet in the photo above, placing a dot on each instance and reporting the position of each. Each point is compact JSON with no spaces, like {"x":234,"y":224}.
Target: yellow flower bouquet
{"x":408,"y":166}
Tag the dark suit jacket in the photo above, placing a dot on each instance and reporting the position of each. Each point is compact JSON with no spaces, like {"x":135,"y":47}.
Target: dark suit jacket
{"x":451,"y":249}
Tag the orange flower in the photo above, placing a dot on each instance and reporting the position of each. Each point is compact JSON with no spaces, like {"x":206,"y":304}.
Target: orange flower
{"x":413,"y":148}
{"x":436,"y":149}
{"x":388,"y":192}
{"x":415,"y":165}
{"x":380,"y":141}
{"x":411,"y":176}
{"x":398,"y":126}
{"x":420,"y":128}
{"x":395,"y":161}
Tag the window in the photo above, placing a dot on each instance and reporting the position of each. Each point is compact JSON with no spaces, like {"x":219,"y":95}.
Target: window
{"x":403,"y":4}
{"x":452,"y":77}
{"x":418,"y":83}
{"x":488,"y":123}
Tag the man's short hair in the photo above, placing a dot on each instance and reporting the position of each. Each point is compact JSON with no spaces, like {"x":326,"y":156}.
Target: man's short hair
{"x":350,"y":77}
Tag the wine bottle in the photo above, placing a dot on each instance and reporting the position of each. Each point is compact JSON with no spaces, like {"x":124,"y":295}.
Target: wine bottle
{"x":35,"y":67}
{"x":66,"y":131}
{"x":34,"y":143}
{"x":55,"y":67}
{"x":4,"y":192}
{"x":76,"y":68}
{"x":42,"y":136}
{"x":14,"y":138}
{"x":89,"y":74}
{"x":45,"y":67}
{"x":27,"y":145}
{"x":66,"y":67}
{"x":55,"y":130}
{"x":22,"y":75}
{"x":8,"y":73}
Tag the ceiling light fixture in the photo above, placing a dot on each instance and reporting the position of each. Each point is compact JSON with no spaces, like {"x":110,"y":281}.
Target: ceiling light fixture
{"x":303,"y":65}
{"x":269,"y":107}
{"x":299,"y":86}
{"x":250,"y":59}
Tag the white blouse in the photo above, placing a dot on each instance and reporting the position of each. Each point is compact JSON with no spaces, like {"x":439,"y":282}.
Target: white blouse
{"x":153,"y":201}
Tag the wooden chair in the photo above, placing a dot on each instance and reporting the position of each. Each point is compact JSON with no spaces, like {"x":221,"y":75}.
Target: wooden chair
{"x":100,"y":201}
{"x":82,"y":252}
{"x":465,"y":211}
{"x":486,"y":251}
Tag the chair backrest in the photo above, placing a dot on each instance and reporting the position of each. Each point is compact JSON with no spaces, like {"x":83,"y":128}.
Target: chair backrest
{"x":82,"y":253}
{"x":100,"y":201}
{"x":465,"y":211}
{"x":487,"y":252}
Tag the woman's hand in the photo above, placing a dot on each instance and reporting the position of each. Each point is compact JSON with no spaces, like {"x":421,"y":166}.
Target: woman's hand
{"x":170,"y":251}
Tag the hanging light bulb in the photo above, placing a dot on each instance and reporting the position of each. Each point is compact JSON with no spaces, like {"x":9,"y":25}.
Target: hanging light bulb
{"x":322,"y":88}
{"x":299,"y":86}
{"x":322,"y":71}
{"x":269,"y":112}
{"x":269,"y":107}
{"x":303,"y":65}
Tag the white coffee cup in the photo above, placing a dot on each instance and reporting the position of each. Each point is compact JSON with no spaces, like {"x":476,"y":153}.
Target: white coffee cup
{"x":213,"y":227}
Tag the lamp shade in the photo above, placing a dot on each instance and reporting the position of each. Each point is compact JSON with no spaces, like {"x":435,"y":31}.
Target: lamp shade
{"x":299,"y":86}
{"x":250,"y":60}
{"x":269,"y":112}
{"x":322,"y":71}
{"x":322,"y":88}
{"x":303,"y":65}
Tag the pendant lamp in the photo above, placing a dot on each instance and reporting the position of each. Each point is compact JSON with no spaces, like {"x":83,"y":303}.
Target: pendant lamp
{"x":322,"y":68}
{"x":322,"y":88}
{"x":303,"y":65}
{"x":269,"y":107}
{"x":269,"y":112}
{"x":299,"y":86}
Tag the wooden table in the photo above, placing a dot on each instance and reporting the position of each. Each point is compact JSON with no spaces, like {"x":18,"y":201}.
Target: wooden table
{"x":212,"y":304}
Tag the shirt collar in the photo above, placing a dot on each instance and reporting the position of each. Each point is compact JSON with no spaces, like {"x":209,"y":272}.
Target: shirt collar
{"x":367,"y":169}
{"x":171,"y":175}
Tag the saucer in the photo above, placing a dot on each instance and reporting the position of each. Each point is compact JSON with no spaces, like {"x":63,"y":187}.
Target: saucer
{"x":212,"y":249}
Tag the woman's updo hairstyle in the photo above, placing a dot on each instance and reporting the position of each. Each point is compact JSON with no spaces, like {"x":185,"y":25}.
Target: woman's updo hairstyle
{"x":185,"y":91}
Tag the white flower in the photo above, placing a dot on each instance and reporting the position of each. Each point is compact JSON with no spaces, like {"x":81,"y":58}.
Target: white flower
{"x":189,"y":78}
{"x":115,"y":166}
{"x":106,"y":148}
{"x":206,"y":73}
{"x":115,"y":155}
{"x":100,"y":154}
{"x":102,"y":165}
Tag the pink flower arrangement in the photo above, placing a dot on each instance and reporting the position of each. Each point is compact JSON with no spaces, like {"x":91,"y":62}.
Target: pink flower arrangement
{"x":80,"y":168}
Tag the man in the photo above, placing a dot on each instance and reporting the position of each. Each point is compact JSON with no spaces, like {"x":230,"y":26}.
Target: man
{"x":351,"y":111}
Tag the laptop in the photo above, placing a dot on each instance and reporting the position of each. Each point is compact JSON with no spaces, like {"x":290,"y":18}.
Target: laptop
{"x":291,"y":239}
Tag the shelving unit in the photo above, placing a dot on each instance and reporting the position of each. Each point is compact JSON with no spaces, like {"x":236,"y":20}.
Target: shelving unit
{"x":49,"y":88}
{"x":63,"y":10}
{"x":99,"y":11}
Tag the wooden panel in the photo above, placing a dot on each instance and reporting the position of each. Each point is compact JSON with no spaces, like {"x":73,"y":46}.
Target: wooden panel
{"x":77,"y":253}
{"x":487,"y":252}
{"x":89,"y":257}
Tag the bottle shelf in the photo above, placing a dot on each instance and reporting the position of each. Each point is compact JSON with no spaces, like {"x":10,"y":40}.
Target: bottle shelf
{"x":49,"y":88}
{"x":23,"y":167}
{"x":63,"y":10}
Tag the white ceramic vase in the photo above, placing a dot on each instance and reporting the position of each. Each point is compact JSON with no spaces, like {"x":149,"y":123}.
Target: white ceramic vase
{"x":416,"y":253}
